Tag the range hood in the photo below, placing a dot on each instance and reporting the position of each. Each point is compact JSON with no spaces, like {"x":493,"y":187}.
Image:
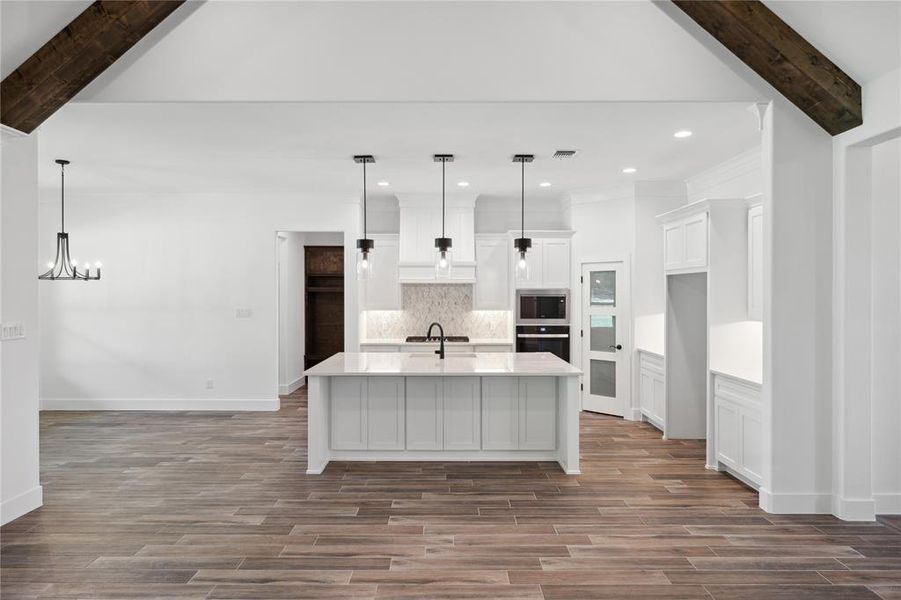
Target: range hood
{"x":420,"y":224}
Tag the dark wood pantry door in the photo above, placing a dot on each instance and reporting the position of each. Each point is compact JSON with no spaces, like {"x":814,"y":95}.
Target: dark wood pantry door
{"x":324,"y":303}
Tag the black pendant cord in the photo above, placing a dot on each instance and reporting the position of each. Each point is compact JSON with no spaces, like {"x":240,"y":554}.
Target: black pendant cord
{"x":364,"y":199}
{"x":62,"y":179}
{"x":522,"y":201}
{"x":443,"y":163}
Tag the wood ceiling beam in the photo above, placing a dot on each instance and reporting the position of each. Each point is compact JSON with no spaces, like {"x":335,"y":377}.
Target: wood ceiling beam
{"x":787,"y":61}
{"x":75,"y":56}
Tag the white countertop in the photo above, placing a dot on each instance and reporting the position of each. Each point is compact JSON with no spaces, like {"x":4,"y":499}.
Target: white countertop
{"x":426,"y":363}
{"x":471,"y":342}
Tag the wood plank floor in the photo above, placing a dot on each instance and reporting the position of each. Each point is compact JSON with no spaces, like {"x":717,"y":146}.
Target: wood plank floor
{"x":217,"y":505}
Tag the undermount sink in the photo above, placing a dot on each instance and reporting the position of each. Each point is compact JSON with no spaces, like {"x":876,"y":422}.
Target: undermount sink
{"x":446,"y":355}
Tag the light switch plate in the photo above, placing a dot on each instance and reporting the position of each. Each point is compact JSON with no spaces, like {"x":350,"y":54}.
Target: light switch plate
{"x":12,"y":331}
{"x":243,"y":313}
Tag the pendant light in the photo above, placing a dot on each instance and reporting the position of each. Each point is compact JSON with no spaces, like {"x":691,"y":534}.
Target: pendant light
{"x":364,"y":244}
{"x":522,"y":243}
{"x":63,"y":267}
{"x":443,"y":256}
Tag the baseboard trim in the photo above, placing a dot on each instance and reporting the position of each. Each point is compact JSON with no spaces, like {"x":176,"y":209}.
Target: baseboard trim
{"x":854,"y":509}
{"x":290,"y":388}
{"x":25,"y":502}
{"x":633,"y":414}
{"x":887,"y":504}
{"x":161,"y":404}
{"x":787,"y":504}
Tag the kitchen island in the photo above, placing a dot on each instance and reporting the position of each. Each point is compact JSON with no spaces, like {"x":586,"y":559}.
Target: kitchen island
{"x":492,"y":406}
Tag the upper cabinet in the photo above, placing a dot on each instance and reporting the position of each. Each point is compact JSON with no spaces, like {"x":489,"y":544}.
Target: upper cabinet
{"x":549,"y":262}
{"x":420,"y":224}
{"x":492,"y":287}
{"x":684,"y":241}
{"x":755,"y":262}
{"x":382,"y":290}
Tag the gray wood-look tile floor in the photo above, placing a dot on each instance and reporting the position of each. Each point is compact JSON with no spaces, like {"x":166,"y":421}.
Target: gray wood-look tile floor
{"x":217,"y":505}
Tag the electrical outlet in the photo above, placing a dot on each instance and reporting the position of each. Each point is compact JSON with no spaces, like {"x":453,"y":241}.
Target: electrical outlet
{"x":12,"y":331}
{"x":243,"y":313}
{"x":210,"y":384}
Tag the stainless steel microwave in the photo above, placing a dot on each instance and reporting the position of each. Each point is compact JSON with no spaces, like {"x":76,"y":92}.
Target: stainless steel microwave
{"x":542,"y":307}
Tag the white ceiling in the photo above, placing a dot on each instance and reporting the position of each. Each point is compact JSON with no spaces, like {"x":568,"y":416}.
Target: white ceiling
{"x":135,"y":148}
{"x":862,"y":37}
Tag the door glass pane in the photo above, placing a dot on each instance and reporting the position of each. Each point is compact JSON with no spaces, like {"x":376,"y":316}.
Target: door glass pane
{"x":603,"y":288}
{"x":603,"y":333}
{"x":603,"y":378}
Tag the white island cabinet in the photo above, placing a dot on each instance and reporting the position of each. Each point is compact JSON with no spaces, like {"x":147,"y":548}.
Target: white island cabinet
{"x":493,"y":406}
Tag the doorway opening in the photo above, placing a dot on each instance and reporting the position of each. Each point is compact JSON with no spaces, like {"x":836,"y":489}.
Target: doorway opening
{"x":310,"y":279}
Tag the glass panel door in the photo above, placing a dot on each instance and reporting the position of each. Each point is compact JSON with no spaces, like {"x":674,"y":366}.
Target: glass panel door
{"x":605,"y":337}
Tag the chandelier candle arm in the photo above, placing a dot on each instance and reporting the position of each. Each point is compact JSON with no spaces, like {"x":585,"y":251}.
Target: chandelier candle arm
{"x":63,"y":267}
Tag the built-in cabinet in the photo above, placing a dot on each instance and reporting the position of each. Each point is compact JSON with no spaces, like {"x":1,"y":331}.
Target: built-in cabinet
{"x":492,"y":287}
{"x":739,"y":427}
{"x":685,"y":242}
{"x":382,"y":290}
{"x":755,"y":262}
{"x":651,"y":388}
{"x":443,"y":413}
{"x":420,"y":224}
{"x":549,"y":263}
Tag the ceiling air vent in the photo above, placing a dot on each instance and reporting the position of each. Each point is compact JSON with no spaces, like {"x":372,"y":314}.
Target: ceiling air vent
{"x":562,"y":154}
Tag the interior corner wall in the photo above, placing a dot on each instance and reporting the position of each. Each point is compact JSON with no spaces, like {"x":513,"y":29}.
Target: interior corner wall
{"x":886,"y":326}
{"x":163,"y":322}
{"x":290,"y":311}
{"x":20,"y":489}
{"x":797,"y":312}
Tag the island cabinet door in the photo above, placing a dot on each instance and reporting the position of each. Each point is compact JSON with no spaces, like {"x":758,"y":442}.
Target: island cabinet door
{"x":348,"y":413}
{"x":537,"y":413}
{"x":424,"y":413}
{"x":462,"y":414}
{"x":500,"y":413}
{"x":385,"y":414}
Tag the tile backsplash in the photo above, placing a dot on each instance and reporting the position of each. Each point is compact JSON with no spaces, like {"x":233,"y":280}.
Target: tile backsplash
{"x":449,"y":304}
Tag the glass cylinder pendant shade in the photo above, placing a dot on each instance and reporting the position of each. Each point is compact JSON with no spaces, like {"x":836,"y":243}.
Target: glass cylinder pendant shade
{"x":364,"y":259}
{"x":522,"y":245}
{"x":443,"y":258}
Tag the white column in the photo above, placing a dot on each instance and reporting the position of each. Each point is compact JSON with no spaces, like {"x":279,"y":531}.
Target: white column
{"x":317,"y":424}
{"x":568,"y":407}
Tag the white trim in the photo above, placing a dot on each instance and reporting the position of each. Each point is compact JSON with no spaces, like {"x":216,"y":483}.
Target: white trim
{"x":19,"y":505}
{"x":854,"y":509}
{"x":800,"y":503}
{"x":12,"y":131}
{"x":728,"y":170}
{"x":220,"y":404}
{"x":289,"y":388}
{"x":887,"y":504}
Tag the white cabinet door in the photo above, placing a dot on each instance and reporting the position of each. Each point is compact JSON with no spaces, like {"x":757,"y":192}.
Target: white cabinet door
{"x":424,"y":413}
{"x":727,"y":433}
{"x":555,"y":263}
{"x":348,"y":413}
{"x":751,"y":439}
{"x":695,"y":241}
{"x":459,"y":226}
{"x":500,"y":413}
{"x":659,"y":404}
{"x":646,"y":392}
{"x":385,"y":413}
{"x":491,"y":291}
{"x":755,"y":263}
{"x":462,"y":413}
{"x":673,"y":246}
{"x":382,"y":290}
{"x":537,"y":413}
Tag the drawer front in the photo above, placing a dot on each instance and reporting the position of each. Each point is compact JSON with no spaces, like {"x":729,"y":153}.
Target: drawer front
{"x":650,"y":363}
{"x":746,"y":394}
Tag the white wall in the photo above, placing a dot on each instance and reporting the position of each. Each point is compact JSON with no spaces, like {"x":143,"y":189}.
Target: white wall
{"x":886,"y":320}
{"x":497,"y":215}
{"x":20,"y":489}
{"x":737,"y":177}
{"x":162,"y":321}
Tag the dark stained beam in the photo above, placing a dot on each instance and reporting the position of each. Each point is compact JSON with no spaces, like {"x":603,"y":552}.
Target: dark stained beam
{"x":779,"y":54}
{"x":93,"y":41}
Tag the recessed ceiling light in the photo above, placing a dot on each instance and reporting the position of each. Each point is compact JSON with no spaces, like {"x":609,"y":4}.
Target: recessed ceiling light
{"x":682,"y":133}
{"x":545,"y":184}
{"x":629,"y":170}
{"x":463,"y":183}
{"x":384,"y":183}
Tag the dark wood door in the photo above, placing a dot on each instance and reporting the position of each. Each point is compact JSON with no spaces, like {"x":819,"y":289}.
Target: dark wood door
{"x":324,"y":302}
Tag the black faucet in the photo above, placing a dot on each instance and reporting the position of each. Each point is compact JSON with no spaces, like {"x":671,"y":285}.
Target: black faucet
{"x":440,"y":351}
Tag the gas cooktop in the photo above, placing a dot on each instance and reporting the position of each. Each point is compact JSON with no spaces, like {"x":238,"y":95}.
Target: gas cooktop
{"x":435,"y":338}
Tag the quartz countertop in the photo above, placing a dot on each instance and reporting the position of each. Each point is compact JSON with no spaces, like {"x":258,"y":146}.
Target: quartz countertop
{"x":426,"y":363}
{"x":471,"y":342}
